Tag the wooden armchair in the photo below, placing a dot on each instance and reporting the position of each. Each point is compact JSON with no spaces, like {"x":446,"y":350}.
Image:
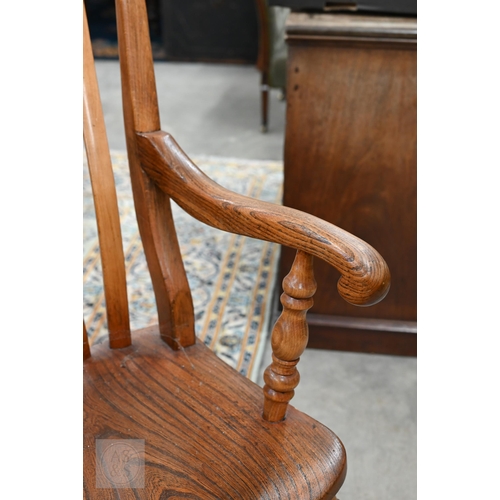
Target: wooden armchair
{"x":163,"y":416}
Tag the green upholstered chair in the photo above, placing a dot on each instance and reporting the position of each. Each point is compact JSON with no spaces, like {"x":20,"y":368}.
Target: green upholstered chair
{"x":272,"y":56}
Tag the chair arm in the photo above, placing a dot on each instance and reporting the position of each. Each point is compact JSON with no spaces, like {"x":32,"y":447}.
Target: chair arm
{"x":365,"y":277}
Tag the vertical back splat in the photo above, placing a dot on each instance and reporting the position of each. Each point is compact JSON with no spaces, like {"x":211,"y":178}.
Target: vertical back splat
{"x":154,"y":215}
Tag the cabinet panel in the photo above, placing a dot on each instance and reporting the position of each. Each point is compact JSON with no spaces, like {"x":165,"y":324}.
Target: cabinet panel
{"x":350,"y":158}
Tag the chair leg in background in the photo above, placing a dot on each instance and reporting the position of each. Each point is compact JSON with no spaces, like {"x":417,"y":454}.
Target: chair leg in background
{"x":264,"y":98}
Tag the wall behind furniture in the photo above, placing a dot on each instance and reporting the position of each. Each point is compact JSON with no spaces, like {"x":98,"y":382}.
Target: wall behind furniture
{"x":224,"y":31}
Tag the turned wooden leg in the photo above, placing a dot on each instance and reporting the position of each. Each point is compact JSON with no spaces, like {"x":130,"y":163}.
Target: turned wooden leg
{"x":264,"y":97}
{"x":289,"y":337}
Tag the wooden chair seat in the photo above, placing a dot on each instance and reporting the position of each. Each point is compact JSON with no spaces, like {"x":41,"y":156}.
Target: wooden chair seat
{"x":205,"y":438}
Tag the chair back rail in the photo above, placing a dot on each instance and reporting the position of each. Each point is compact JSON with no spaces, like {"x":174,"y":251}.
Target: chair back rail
{"x":105,"y":202}
{"x":152,"y":205}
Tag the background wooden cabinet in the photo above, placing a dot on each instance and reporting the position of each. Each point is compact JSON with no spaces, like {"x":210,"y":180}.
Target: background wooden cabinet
{"x":350,"y":158}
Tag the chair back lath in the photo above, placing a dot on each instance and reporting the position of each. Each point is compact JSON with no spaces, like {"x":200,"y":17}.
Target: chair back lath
{"x":105,"y":202}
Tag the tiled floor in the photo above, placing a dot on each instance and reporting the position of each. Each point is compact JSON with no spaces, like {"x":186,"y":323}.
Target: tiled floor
{"x":368,"y":400}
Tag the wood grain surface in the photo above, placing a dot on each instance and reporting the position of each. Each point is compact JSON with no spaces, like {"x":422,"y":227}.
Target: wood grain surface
{"x":365,"y":277}
{"x":203,"y":429}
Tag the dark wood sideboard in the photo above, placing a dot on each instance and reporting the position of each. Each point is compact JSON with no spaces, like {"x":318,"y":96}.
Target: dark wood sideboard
{"x":350,"y":158}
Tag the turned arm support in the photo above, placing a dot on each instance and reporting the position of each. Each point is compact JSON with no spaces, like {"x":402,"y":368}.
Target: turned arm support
{"x":365,"y":277}
{"x":364,"y":280}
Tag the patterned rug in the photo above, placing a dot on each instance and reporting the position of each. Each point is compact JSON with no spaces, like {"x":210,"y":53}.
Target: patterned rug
{"x":231,"y":276}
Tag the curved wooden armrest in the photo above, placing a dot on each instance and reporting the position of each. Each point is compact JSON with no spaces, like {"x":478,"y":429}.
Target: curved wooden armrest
{"x":365,"y":277}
